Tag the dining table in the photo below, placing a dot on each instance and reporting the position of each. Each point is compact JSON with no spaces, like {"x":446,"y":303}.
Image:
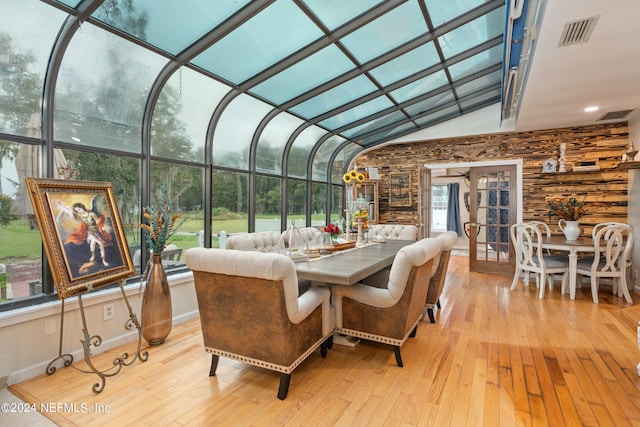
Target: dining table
{"x":572,"y":247}
{"x":349,"y":266}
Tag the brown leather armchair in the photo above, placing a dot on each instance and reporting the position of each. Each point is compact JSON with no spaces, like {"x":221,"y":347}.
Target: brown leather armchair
{"x":388,"y":306}
{"x":250,"y":310}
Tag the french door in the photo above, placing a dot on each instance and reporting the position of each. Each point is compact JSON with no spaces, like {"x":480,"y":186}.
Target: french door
{"x":492,"y":212}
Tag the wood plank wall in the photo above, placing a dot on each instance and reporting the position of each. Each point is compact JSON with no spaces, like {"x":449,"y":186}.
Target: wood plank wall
{"x":604,"y":191}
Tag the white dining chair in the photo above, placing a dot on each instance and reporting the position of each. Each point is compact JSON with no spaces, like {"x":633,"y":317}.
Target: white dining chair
{"x":598,"y":226}
{"x":530,"y":258}
{"x":545,"y":230}
{"x":613,"y":244}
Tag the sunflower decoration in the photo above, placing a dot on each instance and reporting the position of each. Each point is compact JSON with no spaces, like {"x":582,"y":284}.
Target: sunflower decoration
{"x":353,"y":176}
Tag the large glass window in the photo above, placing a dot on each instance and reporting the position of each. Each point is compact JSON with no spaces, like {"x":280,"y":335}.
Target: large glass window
{"x":273,"y":140}
{"x":268,"y":202}
{"x":300,"y":150}
{"x":182,"y":115}
{"x":102,"y":89}
{"x":185,"y":187}
{"x":318,"y":204}
{"x":28,"y":29}
{"x":235,"y":131}
{"x":229,"y":199}
{"x":296,"y":202}
{"x":323,"y":154}
{"x":20,"y":243}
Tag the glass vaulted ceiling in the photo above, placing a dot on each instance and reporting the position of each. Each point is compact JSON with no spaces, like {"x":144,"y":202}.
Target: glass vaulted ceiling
{"x":318,"y":80}
{"x":331,"y":73}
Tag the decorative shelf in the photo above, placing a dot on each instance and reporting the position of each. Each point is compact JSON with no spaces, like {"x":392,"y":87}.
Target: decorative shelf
{"x":628,"y":165}
{"x":575,"y":172}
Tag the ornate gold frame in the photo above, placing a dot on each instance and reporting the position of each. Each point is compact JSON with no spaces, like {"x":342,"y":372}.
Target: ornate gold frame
{"x":81,"y":232}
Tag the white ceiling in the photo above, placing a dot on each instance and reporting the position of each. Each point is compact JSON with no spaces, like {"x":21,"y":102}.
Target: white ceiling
{"x":562,"y":81}
{"x":604,"y":71}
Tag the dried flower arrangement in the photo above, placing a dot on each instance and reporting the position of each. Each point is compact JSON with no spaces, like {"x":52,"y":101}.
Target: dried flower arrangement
{"x":160,"y":223}
{"x":567,"y":208}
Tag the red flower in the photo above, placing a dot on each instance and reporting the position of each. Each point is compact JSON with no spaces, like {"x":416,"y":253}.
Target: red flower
{"x":332,"y":229}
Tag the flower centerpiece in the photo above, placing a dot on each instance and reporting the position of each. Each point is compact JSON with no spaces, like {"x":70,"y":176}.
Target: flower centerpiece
{"x":333,"y":230}
{"x":567,"y":208}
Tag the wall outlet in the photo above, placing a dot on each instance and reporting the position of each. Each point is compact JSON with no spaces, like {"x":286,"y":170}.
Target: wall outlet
{"x":109,"y":311}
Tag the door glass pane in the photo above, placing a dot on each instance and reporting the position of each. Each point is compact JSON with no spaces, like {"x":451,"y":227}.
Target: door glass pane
{"x":493,"y":216}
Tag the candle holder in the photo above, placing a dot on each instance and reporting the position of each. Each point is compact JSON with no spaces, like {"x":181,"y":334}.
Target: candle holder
{"x":561,"y":160}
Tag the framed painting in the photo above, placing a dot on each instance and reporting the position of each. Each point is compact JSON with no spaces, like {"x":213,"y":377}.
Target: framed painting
{"x":81,"y":232}
{"x":400,"y":189}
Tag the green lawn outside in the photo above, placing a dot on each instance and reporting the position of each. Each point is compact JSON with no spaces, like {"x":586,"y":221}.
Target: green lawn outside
{"x":17,"y":242}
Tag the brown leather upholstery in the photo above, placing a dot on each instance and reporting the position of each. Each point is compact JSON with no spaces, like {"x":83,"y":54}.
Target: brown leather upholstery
{"x":250,"y":310}
{"x":391,"y":313}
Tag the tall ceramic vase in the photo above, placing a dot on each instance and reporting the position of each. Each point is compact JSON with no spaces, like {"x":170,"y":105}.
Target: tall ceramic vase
{"x":570,"y":229}
{"x":156,"y":305}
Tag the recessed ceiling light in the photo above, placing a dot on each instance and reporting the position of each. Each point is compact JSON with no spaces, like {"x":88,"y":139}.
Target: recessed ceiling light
{"x":591,"y":109}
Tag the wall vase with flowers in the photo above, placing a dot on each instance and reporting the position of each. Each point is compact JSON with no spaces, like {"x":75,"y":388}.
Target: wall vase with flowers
{"x":159,"y":223}
{"x":570,"y":210}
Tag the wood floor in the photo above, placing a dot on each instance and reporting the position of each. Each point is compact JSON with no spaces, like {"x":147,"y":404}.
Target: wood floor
{"x":495,"y":357}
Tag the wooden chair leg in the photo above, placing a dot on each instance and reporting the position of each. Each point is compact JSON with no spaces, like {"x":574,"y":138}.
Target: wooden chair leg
{"x":396,"y":351}
{"x":214,"y":364}
{"x":283,"y":390}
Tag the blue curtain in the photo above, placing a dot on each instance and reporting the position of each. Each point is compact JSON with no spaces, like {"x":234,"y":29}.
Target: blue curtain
{"x":453,"y":209}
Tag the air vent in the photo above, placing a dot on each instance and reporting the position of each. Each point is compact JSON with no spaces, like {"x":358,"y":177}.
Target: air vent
{"x":577,"y":32}
{"x":615,"y":115}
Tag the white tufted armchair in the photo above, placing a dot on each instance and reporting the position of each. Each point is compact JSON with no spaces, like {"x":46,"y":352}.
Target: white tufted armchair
{"x":264,"y":241}
{"x":394,"y":231}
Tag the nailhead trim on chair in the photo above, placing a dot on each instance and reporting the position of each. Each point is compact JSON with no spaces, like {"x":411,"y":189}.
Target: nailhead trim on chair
{"x":272,"y":366}
{"x":378,"y":338}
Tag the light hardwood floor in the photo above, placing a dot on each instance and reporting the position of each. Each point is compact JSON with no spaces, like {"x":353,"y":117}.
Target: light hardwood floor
{"x":495,"y":357}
